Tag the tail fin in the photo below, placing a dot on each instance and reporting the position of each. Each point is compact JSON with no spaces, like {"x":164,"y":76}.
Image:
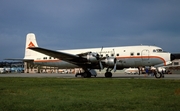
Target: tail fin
{"x":30,"y":42}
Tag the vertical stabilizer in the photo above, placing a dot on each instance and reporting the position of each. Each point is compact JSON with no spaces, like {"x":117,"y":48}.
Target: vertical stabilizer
{"x":30,"y":42}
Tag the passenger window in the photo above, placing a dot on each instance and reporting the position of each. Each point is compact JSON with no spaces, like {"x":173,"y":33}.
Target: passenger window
{"x":44,"y":57}
{"x":117,"y":54}
{"x":138,"y":53}
{"x":132,"y":54}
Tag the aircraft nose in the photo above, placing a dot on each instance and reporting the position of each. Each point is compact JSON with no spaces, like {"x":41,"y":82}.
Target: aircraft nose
{"x":175,"y":56}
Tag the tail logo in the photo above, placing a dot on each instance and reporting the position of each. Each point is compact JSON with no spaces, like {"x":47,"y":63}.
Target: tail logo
{"x":31,"y":45}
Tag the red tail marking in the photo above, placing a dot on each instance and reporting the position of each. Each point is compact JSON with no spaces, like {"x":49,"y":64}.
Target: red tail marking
{"x":31,"y":45}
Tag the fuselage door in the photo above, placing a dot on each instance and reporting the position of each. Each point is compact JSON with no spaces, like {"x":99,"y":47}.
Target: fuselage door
{"x":145,"y":54}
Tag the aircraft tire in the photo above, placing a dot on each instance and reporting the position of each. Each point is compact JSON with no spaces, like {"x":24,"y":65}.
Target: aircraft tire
{"x":84,"y":75}
{"x":87,"y":74}
{"x":108,"y":74}
{"x":158,"y":75}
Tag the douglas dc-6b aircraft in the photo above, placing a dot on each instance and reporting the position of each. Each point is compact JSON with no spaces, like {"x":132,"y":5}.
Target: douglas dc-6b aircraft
{"x":111,"y":58}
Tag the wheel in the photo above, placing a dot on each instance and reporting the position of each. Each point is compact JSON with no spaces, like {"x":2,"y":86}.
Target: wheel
{"x":158,"y":75}
{"x":108,"y":74}
{"x":86,"y":74}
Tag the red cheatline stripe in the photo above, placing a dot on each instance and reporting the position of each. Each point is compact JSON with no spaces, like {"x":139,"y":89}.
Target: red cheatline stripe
{"x":127,"y":57}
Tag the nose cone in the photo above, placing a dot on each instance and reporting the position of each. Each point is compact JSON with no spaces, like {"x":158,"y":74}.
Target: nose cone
{"x":175,"y":56}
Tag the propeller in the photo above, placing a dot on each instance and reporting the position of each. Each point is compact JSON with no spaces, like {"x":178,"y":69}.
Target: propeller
{"x":99,"y":58}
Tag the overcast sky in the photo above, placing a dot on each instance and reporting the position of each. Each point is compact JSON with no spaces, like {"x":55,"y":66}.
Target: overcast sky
{"x":71,"y":24}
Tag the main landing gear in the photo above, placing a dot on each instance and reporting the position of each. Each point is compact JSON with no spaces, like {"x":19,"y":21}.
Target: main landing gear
{"x":87,"y":74}
{"x":108,"y":73}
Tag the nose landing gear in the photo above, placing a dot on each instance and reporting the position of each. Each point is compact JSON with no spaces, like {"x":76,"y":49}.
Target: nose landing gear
{"x":157,"y":74}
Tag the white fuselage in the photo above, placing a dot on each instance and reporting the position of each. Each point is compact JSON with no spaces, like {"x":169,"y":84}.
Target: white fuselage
{"x":128,"y":56}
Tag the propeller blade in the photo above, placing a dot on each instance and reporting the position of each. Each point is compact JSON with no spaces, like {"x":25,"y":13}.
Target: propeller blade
{"x":115,"y":65}
{"x":101,"y":66}
{"x":100,"y":58}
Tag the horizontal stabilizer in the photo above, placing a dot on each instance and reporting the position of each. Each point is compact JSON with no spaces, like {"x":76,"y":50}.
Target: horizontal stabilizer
{"x":23,"y":60}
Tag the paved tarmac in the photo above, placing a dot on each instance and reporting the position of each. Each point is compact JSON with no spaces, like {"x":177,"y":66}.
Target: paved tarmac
{"x":117,"y":76}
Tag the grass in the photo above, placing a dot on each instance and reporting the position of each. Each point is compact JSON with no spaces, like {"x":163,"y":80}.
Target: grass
{"x":82,"y":94}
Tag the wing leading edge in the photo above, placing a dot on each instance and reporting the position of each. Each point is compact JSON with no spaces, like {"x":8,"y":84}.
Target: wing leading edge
{"x":75,"y":59}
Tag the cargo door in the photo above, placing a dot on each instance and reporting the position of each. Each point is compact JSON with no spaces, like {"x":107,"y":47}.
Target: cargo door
{"x":145,"y":54}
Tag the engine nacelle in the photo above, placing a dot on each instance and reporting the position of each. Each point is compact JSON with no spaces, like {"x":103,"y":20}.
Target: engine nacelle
{"x":93,"y":57}
{"x":110,"y":61}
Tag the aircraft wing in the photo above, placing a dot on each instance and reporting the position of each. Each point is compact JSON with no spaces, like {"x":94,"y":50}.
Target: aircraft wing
{"x":75,"y":59}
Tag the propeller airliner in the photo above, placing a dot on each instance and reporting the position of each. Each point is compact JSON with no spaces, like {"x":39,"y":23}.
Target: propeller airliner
{"x":109,"y":58}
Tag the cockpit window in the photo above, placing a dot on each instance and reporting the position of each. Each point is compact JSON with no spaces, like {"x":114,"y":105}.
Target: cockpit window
{"x":159,"y":50}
